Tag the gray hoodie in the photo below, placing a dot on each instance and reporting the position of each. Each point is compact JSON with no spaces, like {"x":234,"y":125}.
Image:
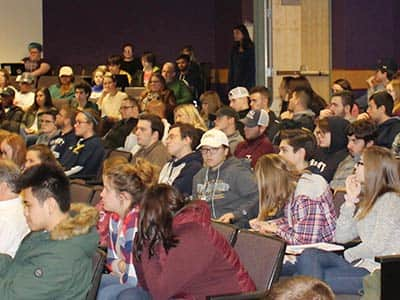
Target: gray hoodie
{"x":229,"y":189}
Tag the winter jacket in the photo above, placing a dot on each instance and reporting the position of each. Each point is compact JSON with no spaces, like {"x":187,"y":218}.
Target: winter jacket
{"x":11,"y":120}
{"x":387,"y":131}
{"x":254,"y":149}
{"x":53,"y":265}
{"x":202,"y":263}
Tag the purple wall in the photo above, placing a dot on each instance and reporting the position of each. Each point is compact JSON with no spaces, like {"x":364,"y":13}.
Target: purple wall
{"x":86,"y":32}
{"x":364,"y":31}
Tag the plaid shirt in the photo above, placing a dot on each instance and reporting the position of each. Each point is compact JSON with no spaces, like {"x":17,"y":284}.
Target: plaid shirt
{"x":125,"y":240}
{"x":308,"y":220}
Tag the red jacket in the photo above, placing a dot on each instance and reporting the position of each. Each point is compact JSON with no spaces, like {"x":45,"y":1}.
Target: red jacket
{"x":203,"y":263}
{"x":253,"y":149}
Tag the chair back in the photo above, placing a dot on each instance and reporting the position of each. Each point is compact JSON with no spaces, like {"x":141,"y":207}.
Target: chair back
{"x":134,"y":92}
{"x":47,"y":81}
{"x":99,"y":260}
{"x":81,"y":193}
{"x":338,"y":200}
{"x":227,"y":230}
{"x":125,"y":154}
{"x":261,"y":255}
{"x":96,"y":195}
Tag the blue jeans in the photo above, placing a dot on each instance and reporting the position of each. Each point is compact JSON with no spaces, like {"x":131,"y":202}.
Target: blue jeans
{"x":110,"y":286}
{"x":341,"y":276}
{"x":134,"y":294}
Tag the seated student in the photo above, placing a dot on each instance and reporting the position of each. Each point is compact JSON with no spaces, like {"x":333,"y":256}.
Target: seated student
{"x":82,"y":95}
{"x":25,"y":96}
{"x":10,"y":115}
{"x":225,"y":183}
{"x":188,"y":113}
{"x":181,"y":92}
{"x":190,"y":77}
{"x":116,"y":136}
{"x":84,"y":159}
{"x":142,"y":76}
{"x":65,"y":121}
{"x":13,"y":147}
{"x":239,"y":101}
{"x":306,"y":199}
{"x":149,"y":131}
{"x":332,"y":140}
{"x":375,"y":222}
{"x":124,"y":185}
{"x":110,"y":102}
{"x":55,"y":260}
{"x":97,"y":79}
{"x":393,"y":88}
{"x":13,"y":227}
{"x":360,"y":134}
{"x":34,"y":63}
{"x":47,"y":127}
{"x":186,"y":162}
{"x":227,"y":120}
{"x":301,"y":288}
{"x":65,"y":88}
{"x":380,"y":106}
{"x":341,"y":105}
{"x":114,"y":67}
{"x":129,"y":62}
{"x":178,"y":252}
{"x":256,"y":142}
{"x":39,"y":154}
{"x":210,"y":104}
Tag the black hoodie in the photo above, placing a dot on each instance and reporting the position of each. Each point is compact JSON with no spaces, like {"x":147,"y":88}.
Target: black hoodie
{"x":326,"y":160}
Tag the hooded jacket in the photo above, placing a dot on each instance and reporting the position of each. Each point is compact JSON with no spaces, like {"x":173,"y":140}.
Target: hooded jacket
{"x":203,"y":263}
{"x":53,"y":265}
{"x":179,"y":173}
{"x":231,"y":188}
{"x":326,"y":160}
{"x":387,"y":131}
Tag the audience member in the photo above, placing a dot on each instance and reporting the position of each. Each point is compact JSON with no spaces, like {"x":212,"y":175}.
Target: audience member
{"x":239,"y":101}
{"x":188,"y":113}
{"x":332,"y":140}
{"x":111,"y":100}
{"x":82,"y":95}
{"x":116,"y":136}
{"x":25,"y":97}
{"x":393,"y":88}
{"x":261,"y":98}
{"x":13,"y":148}
{"x":129,"y":62}
{"x":47,"y":127}
{"x":39,"y":154}
{"x":225,"y":183}
{"x":176,"y":239}
{"x":142,"y":77}
{"x":360,"y":134}
{"x":83,"y":160}
{"x":65,"y":121}
{"x":242,"y":69}
{"x":186,"y":162}
{"x":55,"y":260}
{"x":284,"y":93}
{"x":256,"y":143}
{"x":13,"y":227}
{"x":10,"y":115}
{"x":194,"y":65}
{"x":34,"y":63}
{"x":210,"y":103}
{"x":375,"y":222}
{"x":65,"y":88}
{"x":341,"y":105}
{"x":190,"y":77}
{"x":157,"y":90}
{"x":114,"y":67}
{"x":385,"y":70}
{"x":226,"y":121}
{"x":341,"y":85}
{"x":97,"y":88}
{"x":149,"y":131}
{"x":301,"y":288}
{"x":306,"y":199}
{"x":124,"y":185}
{"x":181,"y":92}
{"x":5,"y":80}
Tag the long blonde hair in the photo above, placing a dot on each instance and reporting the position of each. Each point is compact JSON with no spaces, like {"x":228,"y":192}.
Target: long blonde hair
{"x":214,"y":103}
{"x":193,"y":115}
{"x":381,"y":175}
{"x":276,"y":179}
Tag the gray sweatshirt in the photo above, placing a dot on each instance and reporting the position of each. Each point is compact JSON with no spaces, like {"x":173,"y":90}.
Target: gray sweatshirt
{"x":378,"y":230}
{"x":230,"y":189}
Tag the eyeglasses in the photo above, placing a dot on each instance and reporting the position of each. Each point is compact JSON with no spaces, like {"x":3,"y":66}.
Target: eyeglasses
{"x":211,"y":151}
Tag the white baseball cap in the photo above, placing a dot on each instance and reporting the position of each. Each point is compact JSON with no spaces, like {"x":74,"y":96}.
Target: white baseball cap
{"x":238,"y":92}
{"x":214,"y":138}
{"x":65,"y":71}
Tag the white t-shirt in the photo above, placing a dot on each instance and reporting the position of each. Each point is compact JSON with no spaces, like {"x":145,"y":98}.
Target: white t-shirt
{"x":110,"y":105}
{"x":13,"y":227}
{"x":24,"y":100}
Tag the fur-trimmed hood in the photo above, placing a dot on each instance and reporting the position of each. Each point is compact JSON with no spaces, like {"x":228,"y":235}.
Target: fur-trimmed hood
{"x":81,"y":219}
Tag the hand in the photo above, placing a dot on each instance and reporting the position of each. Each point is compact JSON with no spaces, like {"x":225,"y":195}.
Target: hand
{"x":287,"y":115}
{"x":29,"y":130}
{"x":254,"y":224}
{"x":371,"y":82}
{"x":363,"y":116}
{"x":268,"y":227}
{"x":226,"y":218}
{"x":122,"y":266}
{"x":325,"y":113}
{"x":353,"y":189}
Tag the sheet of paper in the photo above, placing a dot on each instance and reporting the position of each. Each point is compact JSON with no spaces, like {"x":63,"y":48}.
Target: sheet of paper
{"x":298,"y":249}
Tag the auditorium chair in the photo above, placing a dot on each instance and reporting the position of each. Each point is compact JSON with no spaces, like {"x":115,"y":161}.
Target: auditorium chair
{"x":81,"y":193}
{"x":227,"y":230}
{"x":99,"y":260}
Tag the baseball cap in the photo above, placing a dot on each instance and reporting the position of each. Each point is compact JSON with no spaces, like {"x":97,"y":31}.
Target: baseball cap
{"x":238,"y":92}
{"x":65,"y":71}
{"x":227,"y":111}
{"x":213,"y":138}
{"x":25,"y":77}
{"x":7,"y":92}
{"x":258,"y":117}
{"x":387,"y":64}
{"x":35,"y":45}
